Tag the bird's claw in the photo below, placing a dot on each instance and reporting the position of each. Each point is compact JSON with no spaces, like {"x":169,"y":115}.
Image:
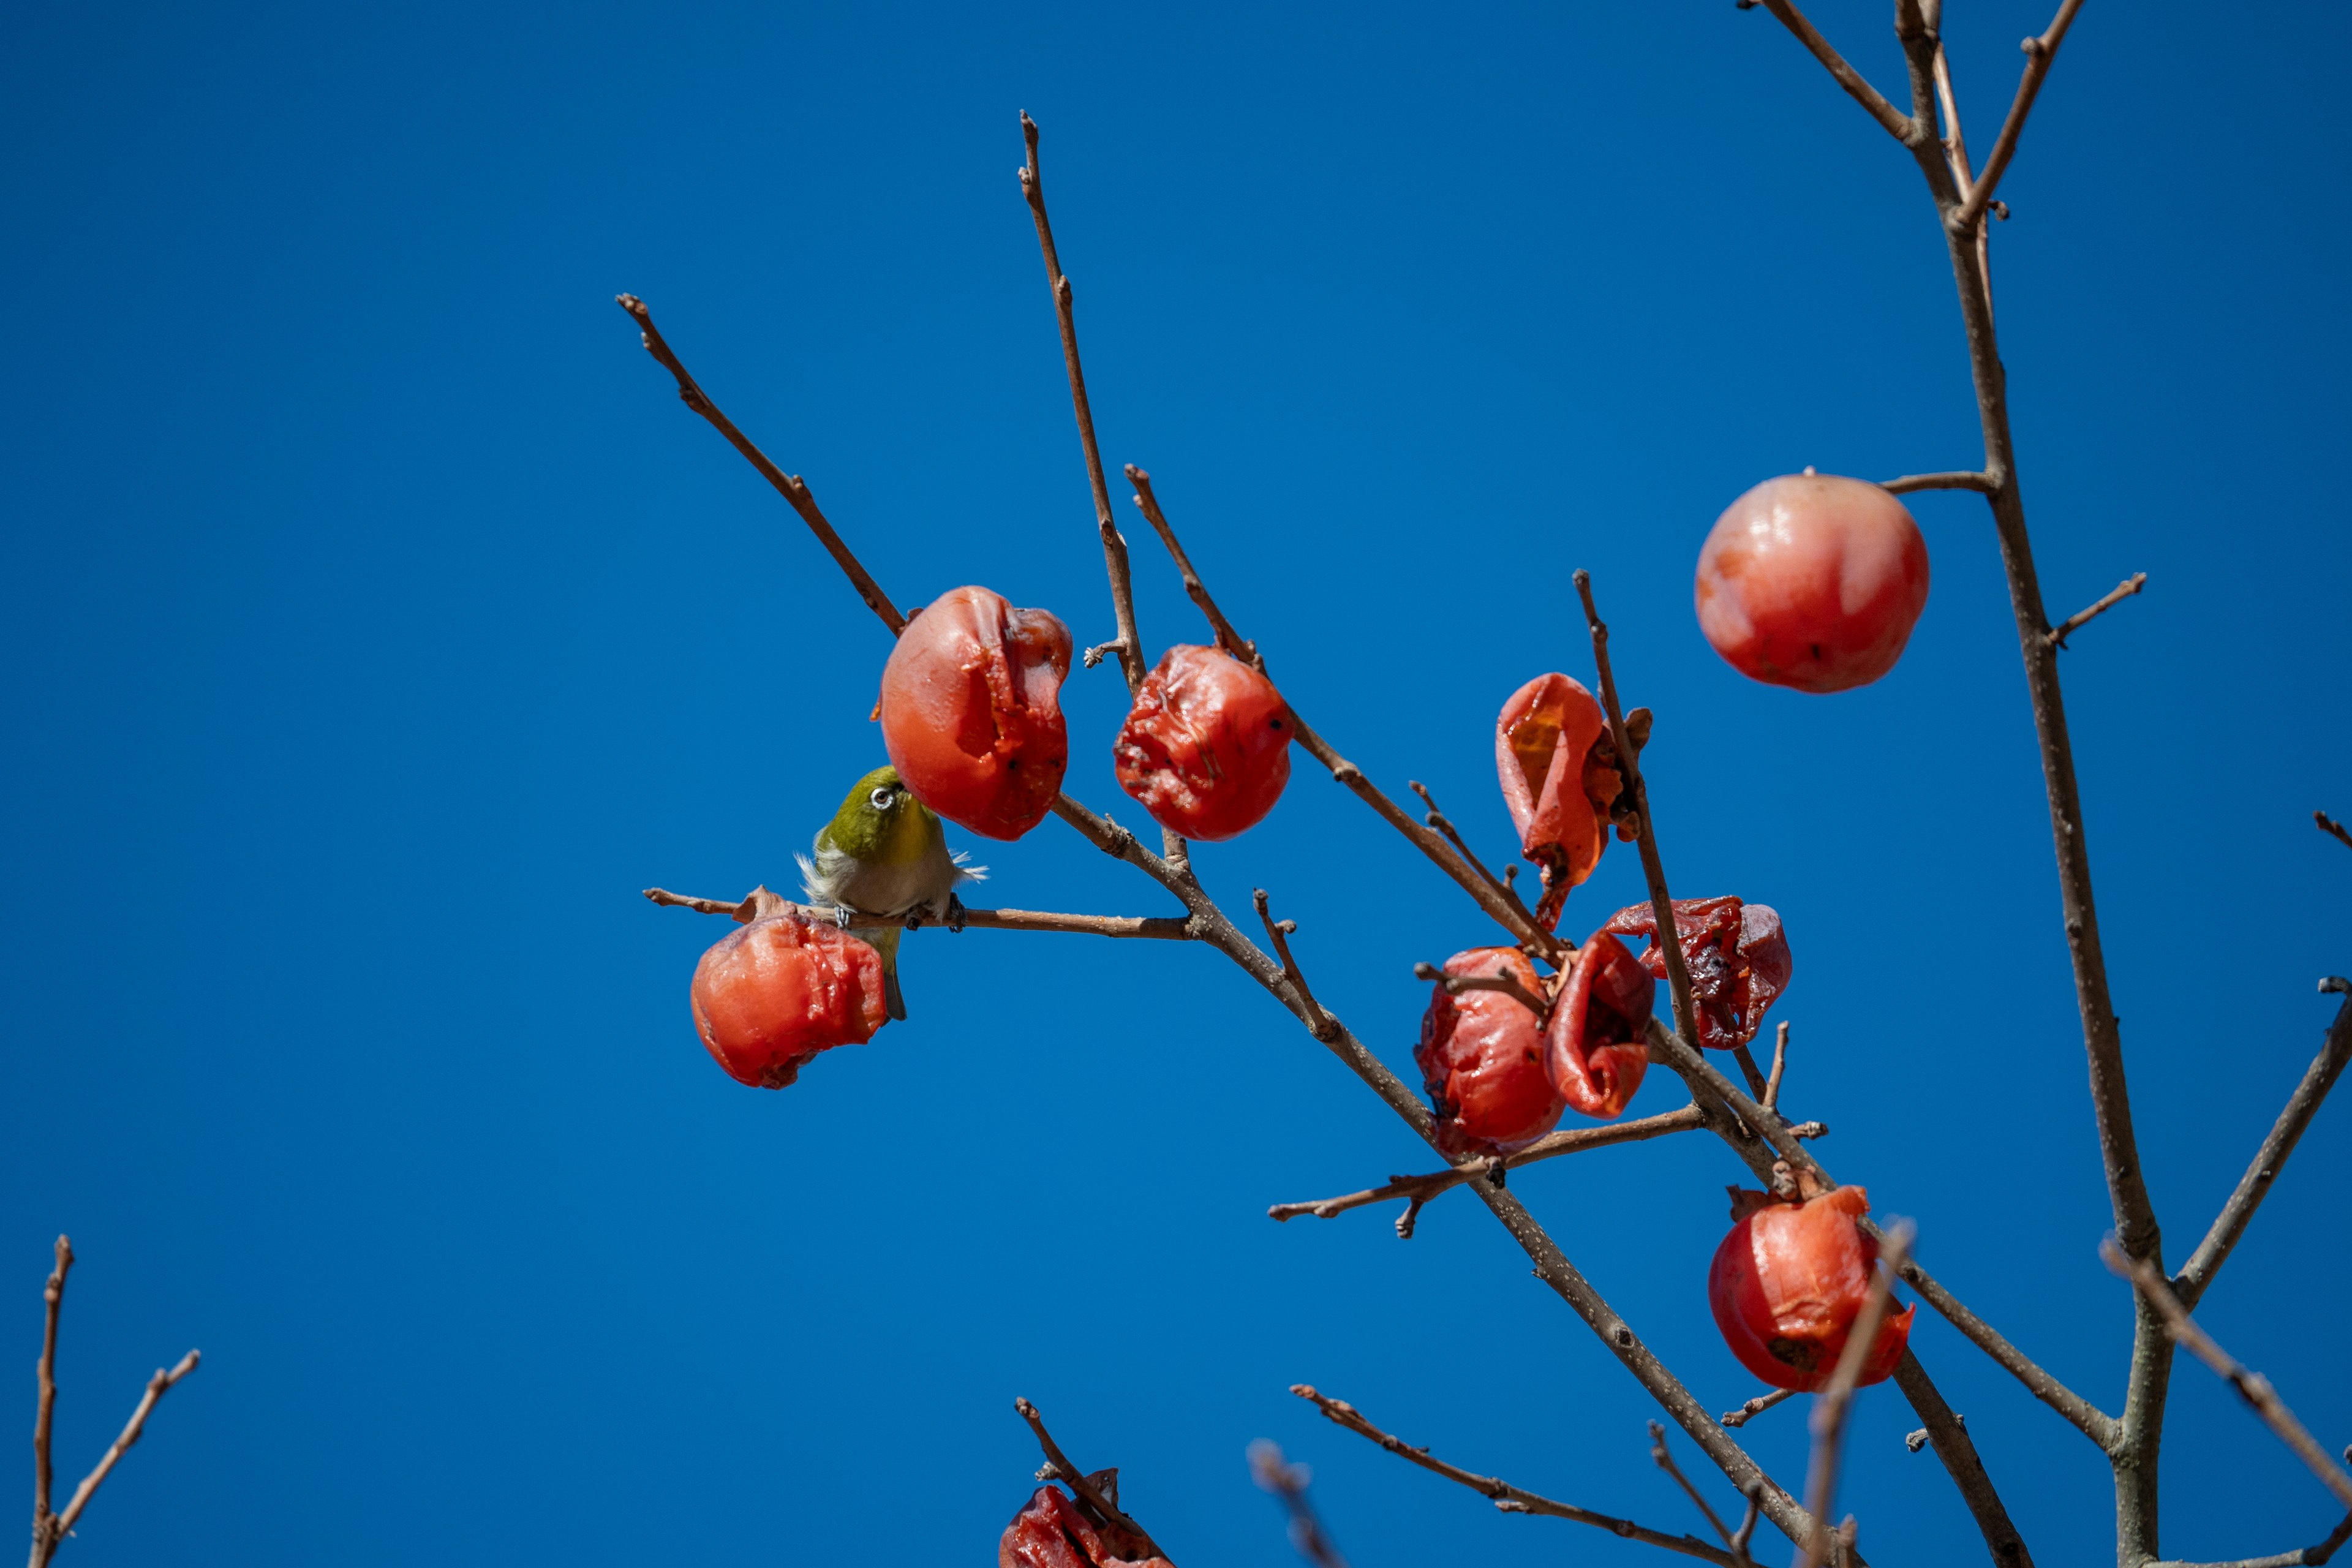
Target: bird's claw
{"x":955,"y":914}
{"x":841,"y":916}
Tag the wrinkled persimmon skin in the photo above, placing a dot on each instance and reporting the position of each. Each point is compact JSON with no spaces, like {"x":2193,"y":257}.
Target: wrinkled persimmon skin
{"x":1786,"y":1284}
{"x":971,"y":712}
{"x":1738,"y":957}
{"x":1593,"y":1049}
{"x":1814,"y":581}
{"x":768,"y":997}
{"x":1482,"y":1061}
{"x":1558,"y":788}
{"x":1206,"y":746}
{"x":1051,"y":1533}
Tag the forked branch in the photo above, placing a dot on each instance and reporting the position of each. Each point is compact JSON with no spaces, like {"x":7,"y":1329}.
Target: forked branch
{"x":2040,"y":53}
{"x":1059,"y":1468}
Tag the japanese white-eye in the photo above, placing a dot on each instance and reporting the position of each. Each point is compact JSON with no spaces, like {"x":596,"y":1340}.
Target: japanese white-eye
{"x":884,"y":857}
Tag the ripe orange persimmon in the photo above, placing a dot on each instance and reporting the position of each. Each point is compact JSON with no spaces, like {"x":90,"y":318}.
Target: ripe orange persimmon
{"x":1593,"y":1047}
{"x":1813,"y":581}
{"x":1482,"y":1061}
{"x":1560,"y":779}
{"x":1788,"y":1282}
{"x":1206,"y":746}
{"x":971,"y":712}
{"x":770,"y":995}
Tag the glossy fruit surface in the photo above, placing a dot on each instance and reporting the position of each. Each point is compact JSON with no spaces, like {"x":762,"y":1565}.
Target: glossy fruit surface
{"x":1052,"y":1531}
{"x":1560,"y":778}
{"x":972,"y":711}
{"x":1593,"y":1049}
{"x":1482,"y":1059}
{"x":1206,"y":746}
{"x":1788,"y":1282}
{"x":771,"y":994}
{"x":1738,"y":957}
{"x":1813,"y":581}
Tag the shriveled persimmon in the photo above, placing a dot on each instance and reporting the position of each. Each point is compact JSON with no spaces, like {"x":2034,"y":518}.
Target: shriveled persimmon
{"x":972,"y":711}
{"x":1738,"y":957}
{"x":1052,"y":1531}
{"x":1787,"y":1283}
{"x":1206,"y":745}
{"x":1593,"y":1049}
{"x":770,"y":995}
{"x":1482,"y":1059}
{"x":1560,"y":778}
{"x":1813,"y":581}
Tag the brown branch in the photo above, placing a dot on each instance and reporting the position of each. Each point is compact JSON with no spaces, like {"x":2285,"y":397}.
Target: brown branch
{"x":1159,"y":928}
{"x":2335,"y":1050}
{"x":1666,"y":1461}
{"x":2252,"y":1386}
{"x":1058,"y":1463}
{"x":1232,"y":641}
{"x":2080,"y":618}
{"x":1898,"y":124}
{"x":1502,"y":1493}
{"x":1440,"y":821}
{"x":2040,"y":52}
{"x":1756,"y":1407}
{"x":1834,"y":1402}
{"x":1758,"y":1084}
{"x":1958,"y":1453}
{"x":1277,"y":932}
{"x":2329,"y":825}
{"x":1287,"y":1481}
{"x":1779,"y":1065}
{"x":789,"y":486}
{"x":157,"y":1387}
{"x":53,"y":1296}
{"x":1970,"y":481}
{"x":1502,"y":983}
{"x":2304,"y":1557}
{"x":1956,"y":155}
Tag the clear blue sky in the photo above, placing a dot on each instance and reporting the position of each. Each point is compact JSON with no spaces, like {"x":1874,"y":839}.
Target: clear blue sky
{"x":377,"y":623}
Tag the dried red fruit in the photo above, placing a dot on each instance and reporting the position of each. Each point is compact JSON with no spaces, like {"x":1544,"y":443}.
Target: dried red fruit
{"x":1050,"y":1531}
{"x":1813,"y":581}
{"x":1559,"y":780}
{"x":1593,"y":1047}
{"x":971,"y":712}
{"x":770,"y":995}
{"x":1206,"y":747}
{"x":1788,"y":1282}
{"x":1482,"y":1061}
{"x":1736,"y":954}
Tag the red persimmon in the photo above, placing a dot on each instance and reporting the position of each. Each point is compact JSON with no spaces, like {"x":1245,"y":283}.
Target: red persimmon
{"x":1593,"y":1049}
{"x":1560,"y":779}
{"x":1738,"y":957}
{"x":1050,"y":1531}
{"x":1813,"y":581}
{"x":1482,"y":1059}
{"x":1206,"y":747}
{"x":770,"y":995}
{"x":1788,"y":1282}
{"x":971,"y":712}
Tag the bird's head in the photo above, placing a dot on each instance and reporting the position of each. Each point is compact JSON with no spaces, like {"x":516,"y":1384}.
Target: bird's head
{"x":880,"y":822}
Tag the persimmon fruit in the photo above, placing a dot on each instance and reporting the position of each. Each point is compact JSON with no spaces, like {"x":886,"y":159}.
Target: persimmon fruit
{"x":770,"y":995}
{"x":1786,"y":1284}
{"x":1482,"y":1059}
{"x":971,"y":712}
{"x":1206,"y":745}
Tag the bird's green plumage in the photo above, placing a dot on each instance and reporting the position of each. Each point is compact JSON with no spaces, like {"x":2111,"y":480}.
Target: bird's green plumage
{"x":884,"y":854}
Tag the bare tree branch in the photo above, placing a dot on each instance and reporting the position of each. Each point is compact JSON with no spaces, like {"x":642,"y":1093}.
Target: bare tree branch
{"x":1958,"y":1453}
{"x":2040,"y":52}
{"x":1287,"y":1481}
{"x":1756,"y":1407}
{"x":2252,"y":1386}
{"x":1898,"y":124}
{"x":1058,"y":1467}
{"x":157,"y":1387}
{"x":1779,"y":1065}
{"x":1831,"y":1405}
{"x":1502,"y":983}
{"x":789,"y":486}
{"x":1500,"y":888}
{"x":2329,"y":825}
{"x":1160,"y":928}
{"x":1502,"y":1493}
{"x":1232,"y":641}
{"x":1970,"y":481}
{"x":53,"y":1297}
{"x":1956,"y":154}
{"x":2080,"y":618}
{"x":1277,"y":933}
{"x":2301,"y":1105}
{"x":1665,"y":1460}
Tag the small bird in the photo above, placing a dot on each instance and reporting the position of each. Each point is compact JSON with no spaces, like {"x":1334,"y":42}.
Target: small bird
{"x":883,"y":857}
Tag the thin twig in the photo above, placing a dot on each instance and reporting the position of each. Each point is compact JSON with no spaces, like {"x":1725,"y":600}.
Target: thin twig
{"x":1666,"y":1461}
{"x":1897,"y":123}
{"x":1287,"y":1481}
{"x":1756,"y":1407}
{"x":789,"y":486}
{"x":1831,"y":1407}
{"x":1159,"y":928}
{"x":2080,"y":618}
{"x":1278,"y":932}
{"x":2329,"y":825}
{"x":53,"y":1296}
{"x":1232,"y":641}
{"x":2040,"y":52}
{"x":1069,"y":1474}
{"x":157,"y":1387}
{"x":1956,"y":153}
{"x":1956,"y":1452}
{"x":1502,"y":1493}
{"x":1967,"y":480}
{"x":1758,"y":1084}
{"x":1445,"y":824}
{"x":1779,"y":1065}
{"x":2252,"y":1386}
{"x":2230,"y":1224}
{"x":1502,"y":981}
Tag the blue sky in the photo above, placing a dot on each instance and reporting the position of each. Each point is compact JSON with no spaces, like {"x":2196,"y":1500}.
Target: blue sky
{"x":377,"y":623}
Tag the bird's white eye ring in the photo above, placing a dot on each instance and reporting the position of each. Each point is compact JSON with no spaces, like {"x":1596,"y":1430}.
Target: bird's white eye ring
{"x":881,"y":800}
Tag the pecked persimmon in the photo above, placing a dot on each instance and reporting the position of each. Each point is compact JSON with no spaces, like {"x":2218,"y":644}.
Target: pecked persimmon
{"x":770,"y":995}
{"x":1482,"y":1059}
{"x":1738,"y":957}
{"x":1593,"y":1050}
{"x":1560,"y":779}
{"x":1206,"y":746}
{"x":1052,"y":1531}
{"x":1788,"y":1282}
{"x":971,"y":712}
{"x":1813,"y":581}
